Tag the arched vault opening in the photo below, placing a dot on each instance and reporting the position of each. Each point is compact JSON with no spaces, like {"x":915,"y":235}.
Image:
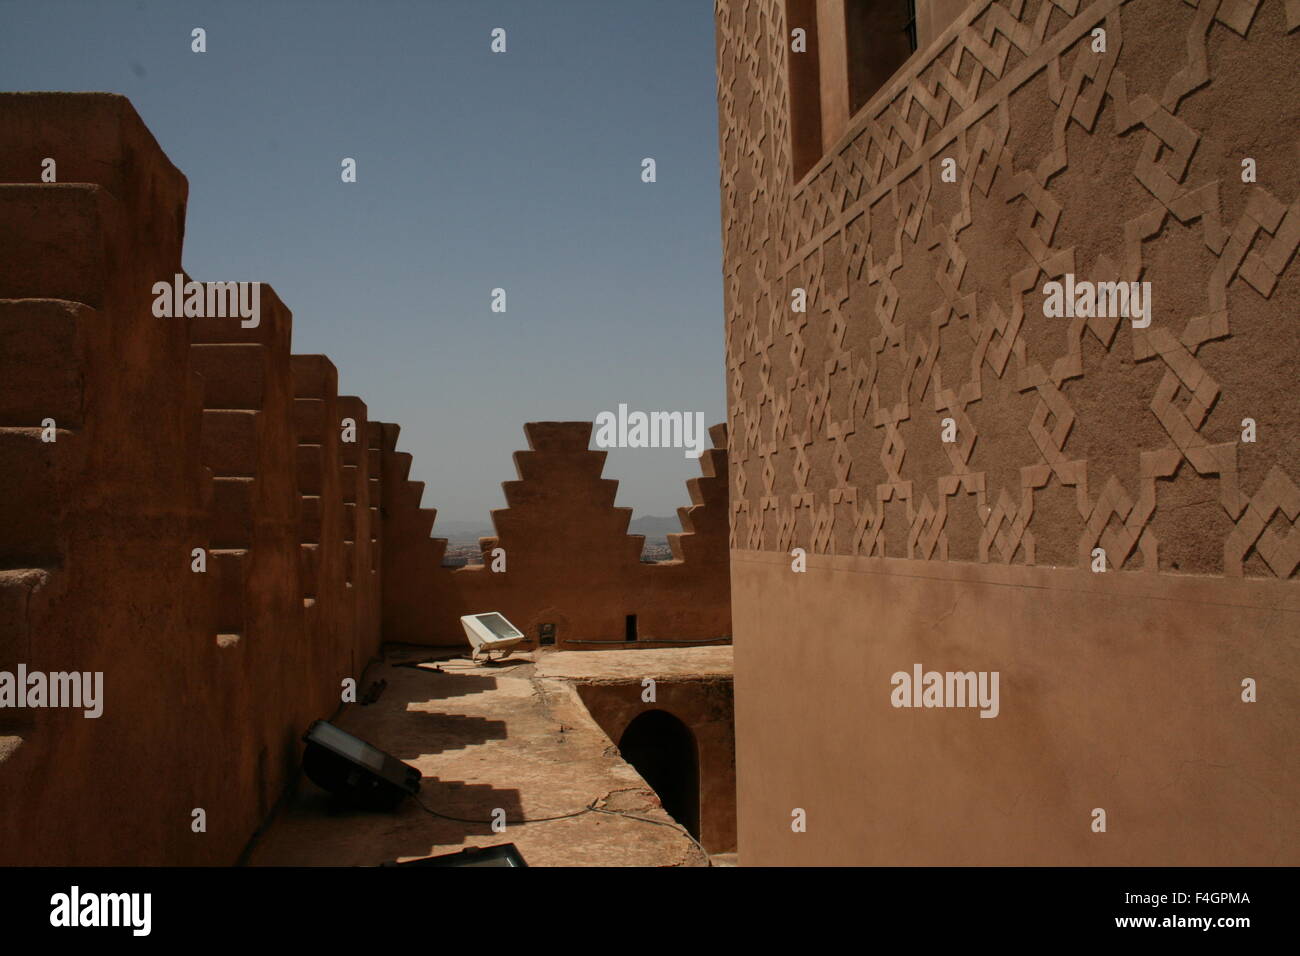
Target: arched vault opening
{"x":663,"y":751}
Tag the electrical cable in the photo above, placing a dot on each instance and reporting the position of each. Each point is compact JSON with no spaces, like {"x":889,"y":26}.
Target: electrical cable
{"x":563,"y":816}
{"x":589,"y":808}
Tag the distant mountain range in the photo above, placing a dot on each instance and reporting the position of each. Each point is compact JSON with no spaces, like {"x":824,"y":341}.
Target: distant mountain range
{"x":463,"y":529}
{"x":652,"y":526}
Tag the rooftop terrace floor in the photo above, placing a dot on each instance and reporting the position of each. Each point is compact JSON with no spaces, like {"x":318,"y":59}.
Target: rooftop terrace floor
{"x":715,"y":660}
{"x":511,"y":735}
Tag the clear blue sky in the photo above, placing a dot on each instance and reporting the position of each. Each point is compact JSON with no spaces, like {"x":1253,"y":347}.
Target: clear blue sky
{"x":475,"y":171}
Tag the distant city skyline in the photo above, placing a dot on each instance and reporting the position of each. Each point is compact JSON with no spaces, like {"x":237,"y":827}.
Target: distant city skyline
{"x":475,"y":171}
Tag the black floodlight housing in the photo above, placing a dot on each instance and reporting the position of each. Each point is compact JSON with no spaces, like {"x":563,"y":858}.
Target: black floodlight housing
{"x":354,"y":771}
{"x":506,"y":854}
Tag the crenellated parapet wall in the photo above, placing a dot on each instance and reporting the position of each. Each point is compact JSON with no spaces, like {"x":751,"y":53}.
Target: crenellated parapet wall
{"x":185,"y":511}
{"x":562,"y":554}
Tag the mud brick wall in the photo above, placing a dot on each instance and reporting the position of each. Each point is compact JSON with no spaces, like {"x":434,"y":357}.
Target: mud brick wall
{"x":1122,"y":688}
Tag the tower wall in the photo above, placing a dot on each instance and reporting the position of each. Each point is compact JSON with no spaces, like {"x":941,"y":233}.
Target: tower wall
{"x":1009,"y":151}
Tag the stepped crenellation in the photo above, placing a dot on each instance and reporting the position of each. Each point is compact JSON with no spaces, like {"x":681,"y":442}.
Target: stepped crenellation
{"x":562,"y":554}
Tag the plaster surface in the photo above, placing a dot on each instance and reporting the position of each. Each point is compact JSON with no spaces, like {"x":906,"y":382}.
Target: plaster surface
{"x":1119,"y":692}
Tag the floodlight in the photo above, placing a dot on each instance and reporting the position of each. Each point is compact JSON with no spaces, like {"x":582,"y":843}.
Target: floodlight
{"x":354,"y":771}
{"x":490,"y":632}
{"x":506,"y":854}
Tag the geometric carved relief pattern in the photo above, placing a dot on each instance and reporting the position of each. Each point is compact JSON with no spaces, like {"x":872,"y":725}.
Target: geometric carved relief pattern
{"x":820,"y":401}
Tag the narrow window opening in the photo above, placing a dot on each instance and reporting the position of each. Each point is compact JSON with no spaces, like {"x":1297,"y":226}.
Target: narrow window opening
{"x":834,"y":71}
{"x":881,"y":35}
{"x":629,"y":632}
{"x":805,"y":87}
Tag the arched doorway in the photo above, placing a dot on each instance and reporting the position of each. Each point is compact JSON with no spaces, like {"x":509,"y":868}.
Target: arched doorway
{"x":662,"y":749}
